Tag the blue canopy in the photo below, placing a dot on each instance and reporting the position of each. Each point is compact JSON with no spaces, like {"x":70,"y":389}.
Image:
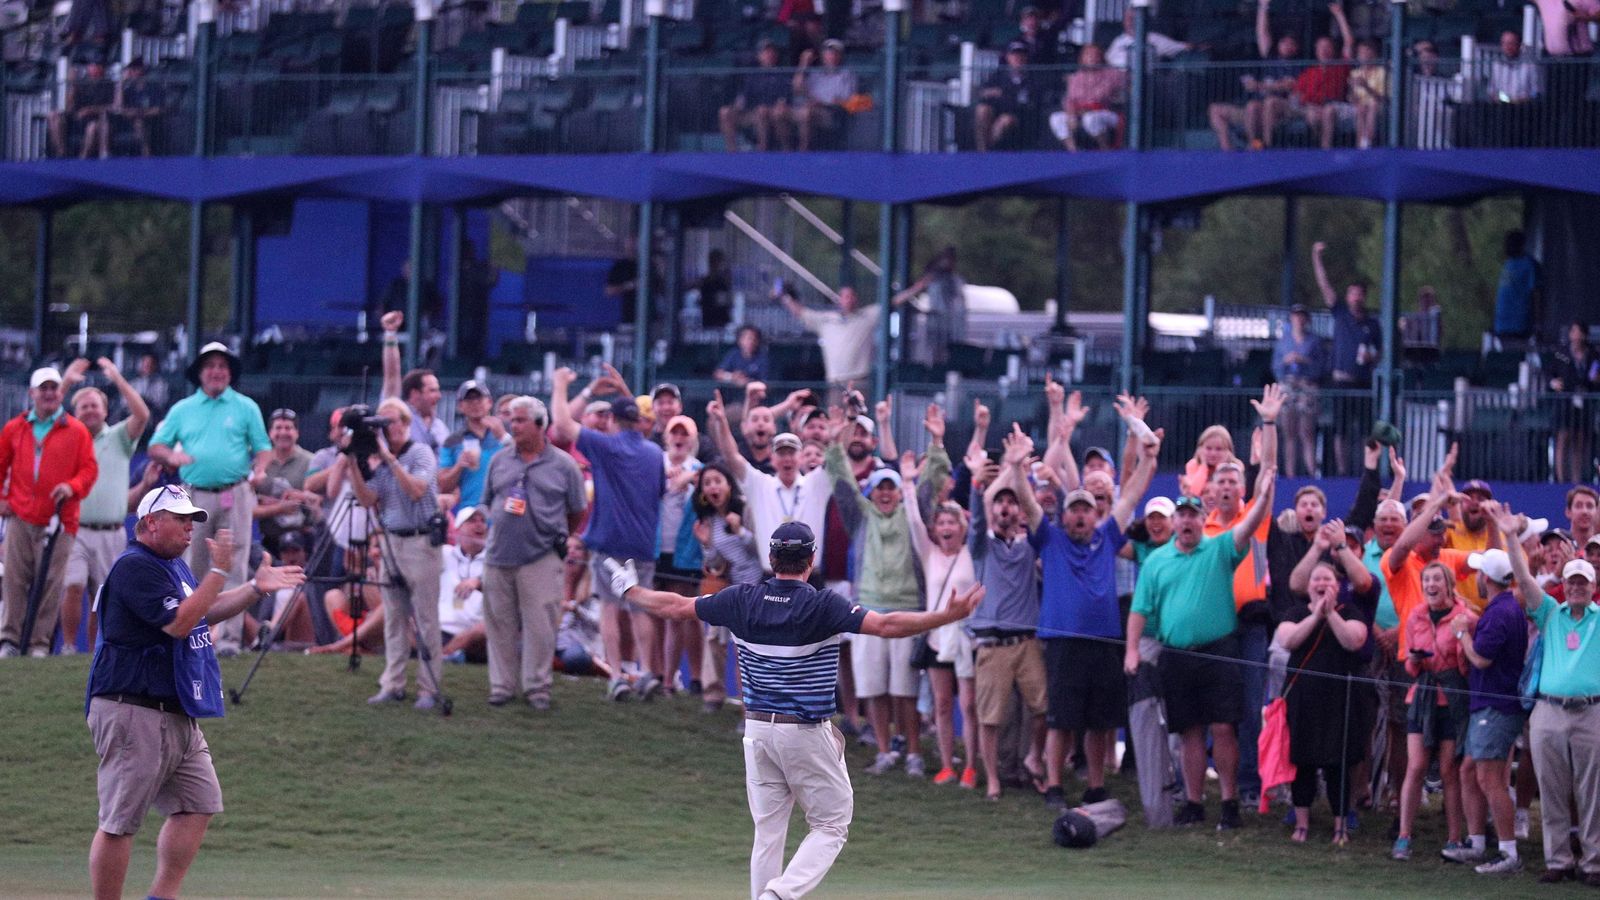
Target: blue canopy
{"x":1161,"y":176}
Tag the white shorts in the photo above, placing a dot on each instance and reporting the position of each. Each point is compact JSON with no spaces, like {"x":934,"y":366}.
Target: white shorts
{"x":883,"y":666}
{"x":1095,"y":122}
{"x":93,"y":553}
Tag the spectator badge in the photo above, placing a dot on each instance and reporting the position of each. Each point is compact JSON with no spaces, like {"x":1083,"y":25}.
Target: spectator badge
{"x":516,"y":502}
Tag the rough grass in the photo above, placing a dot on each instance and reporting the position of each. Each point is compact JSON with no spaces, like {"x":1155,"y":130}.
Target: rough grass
{"x":327,"y":798}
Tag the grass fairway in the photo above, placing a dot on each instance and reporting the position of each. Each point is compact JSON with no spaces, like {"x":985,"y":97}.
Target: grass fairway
{"x":327,"y":798}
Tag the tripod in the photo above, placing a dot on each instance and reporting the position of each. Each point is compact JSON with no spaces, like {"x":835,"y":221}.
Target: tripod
{"x":354,"y":581}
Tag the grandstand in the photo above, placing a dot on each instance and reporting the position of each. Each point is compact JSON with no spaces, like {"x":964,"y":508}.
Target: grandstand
{"x":402,"y":129}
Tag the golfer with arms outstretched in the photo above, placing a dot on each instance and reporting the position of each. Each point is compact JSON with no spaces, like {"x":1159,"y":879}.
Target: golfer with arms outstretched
{"x":787,"y":635}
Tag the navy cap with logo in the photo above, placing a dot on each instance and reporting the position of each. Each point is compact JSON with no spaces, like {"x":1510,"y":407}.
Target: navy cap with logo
{"x":793,"y":536}
{"x":625,"y":409}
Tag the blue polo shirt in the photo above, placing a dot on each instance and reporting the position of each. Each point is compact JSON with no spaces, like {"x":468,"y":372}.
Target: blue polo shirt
{"x":133,"y":655}
{"x":786,"y":633}
{"x":222,"y":433}
{"x":1080,"y":581}
{"x":471,"y":483}
{"x":629,"y":479}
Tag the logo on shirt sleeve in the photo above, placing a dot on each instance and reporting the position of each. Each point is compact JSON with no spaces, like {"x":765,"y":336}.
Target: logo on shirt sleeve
{"x":170,"y":603}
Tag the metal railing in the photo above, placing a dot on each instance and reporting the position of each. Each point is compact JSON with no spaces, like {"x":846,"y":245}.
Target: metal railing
{"x":541,"y":105}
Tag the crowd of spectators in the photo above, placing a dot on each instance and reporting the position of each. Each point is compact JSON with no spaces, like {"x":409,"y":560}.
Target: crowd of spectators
{"x":1398,"y":635}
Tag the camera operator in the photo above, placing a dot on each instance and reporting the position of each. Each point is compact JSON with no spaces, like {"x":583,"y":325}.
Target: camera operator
{"x":404,"y":489}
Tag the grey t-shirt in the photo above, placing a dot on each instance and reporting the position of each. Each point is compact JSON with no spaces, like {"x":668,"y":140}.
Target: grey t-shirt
{"x":528,"y":503}
{"x":1008,"y":572}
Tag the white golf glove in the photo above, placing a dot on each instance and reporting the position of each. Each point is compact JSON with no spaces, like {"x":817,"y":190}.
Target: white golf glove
{"x":623,"y":576}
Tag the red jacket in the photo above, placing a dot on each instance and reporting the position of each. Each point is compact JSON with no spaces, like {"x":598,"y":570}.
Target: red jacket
{"x":68,"y":457}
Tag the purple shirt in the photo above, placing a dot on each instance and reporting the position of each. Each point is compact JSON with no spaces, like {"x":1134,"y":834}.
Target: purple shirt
{"x":1502,"y":638}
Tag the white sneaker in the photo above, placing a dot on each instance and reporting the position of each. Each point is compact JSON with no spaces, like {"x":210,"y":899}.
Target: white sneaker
{"x":882,"y":764}
{"x":1522,"y":825}
{"x":1462,"y":854}
{"x":38,"y":653}
{"x":1505,"y":865}
{"x":915,"y":768}
{"x":9,"y":650}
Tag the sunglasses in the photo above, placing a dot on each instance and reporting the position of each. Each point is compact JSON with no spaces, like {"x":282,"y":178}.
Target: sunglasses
{"x":283,"y":413}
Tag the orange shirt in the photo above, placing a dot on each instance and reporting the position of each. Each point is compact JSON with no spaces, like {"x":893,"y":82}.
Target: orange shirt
{"x":1459,"y":538}
{"x":1405,"y":585}
{"x":1250,"y":578}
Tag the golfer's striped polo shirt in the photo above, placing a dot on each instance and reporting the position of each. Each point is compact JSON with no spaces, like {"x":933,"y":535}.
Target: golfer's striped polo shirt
{"x":787,"y":635}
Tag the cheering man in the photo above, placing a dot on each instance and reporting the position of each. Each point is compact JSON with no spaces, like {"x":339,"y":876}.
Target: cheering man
{"x":787,"y":634}
{"x":154,"y":673}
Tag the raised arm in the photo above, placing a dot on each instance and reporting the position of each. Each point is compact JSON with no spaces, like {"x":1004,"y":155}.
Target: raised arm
{"x":921,"y":540}
{"x":564,"y":427}
{"x":392,"y":322}
{"x":1260,"y":507}
{"x":1329,"y":296}
{"x":1355,"y":568}
{"x":1397,"y":468}
{"x":1300,"y":578}
{"x":1510,"y":525}
{"x":883,"y":414}
{"x":722,"y":436}
{"x":1149,"y":455}
{"x":1019,"y":447}
{"x":1365,"y":506}
{"x":1347,"y":38}
{"x":1418,"y":526}
{"x":1058,"y":446}
{"x":1263,"y":30}
{"x":138,"y":412}
{"x":1268,"y":407}
{"x":980,"y":429}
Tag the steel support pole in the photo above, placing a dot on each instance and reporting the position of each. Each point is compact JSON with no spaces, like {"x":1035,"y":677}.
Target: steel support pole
{"x":419,"y":146}
{"x":652,"y":85}
{"x":455,"y":239}
{"x":1132,"y":348}
{"x":1291,"y":243}
{"x":641,"y":294}
{"x":1136,"y":108}
{"x":1397,"y":73}
{"x":193,"y":317}
{"x":847,"y":242}
{"x":1063,"y":269}
{"x":673,"y":276}
{"x":193,"y":312}
{"x":1389,"y":311}
{"x":887,"y":216}
{"x":242,"y":286}
{"x":41,"y":278}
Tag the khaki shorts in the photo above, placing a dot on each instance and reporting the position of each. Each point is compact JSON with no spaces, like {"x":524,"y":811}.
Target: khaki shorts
{"x":998,"y":670}
{"x":882,"y":666}
{"x":149,"y":757}
{"x":93,"y":553}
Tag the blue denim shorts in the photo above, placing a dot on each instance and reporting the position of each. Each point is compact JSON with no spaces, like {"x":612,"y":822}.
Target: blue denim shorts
{"x":1492,"y":733}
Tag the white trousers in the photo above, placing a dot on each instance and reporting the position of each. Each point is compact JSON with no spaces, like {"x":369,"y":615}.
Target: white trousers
{"x":785,"y":765}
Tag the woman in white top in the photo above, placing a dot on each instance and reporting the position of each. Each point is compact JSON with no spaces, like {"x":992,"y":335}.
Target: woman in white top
{"x":947,"y":569}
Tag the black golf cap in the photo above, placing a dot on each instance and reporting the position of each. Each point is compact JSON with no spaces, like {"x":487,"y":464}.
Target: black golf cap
{"x":793,"y":535}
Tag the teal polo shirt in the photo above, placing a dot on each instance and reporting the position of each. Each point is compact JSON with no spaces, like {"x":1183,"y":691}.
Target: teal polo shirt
{"x":41,"y":427}
{"x":1571,"y":663}
{"x":1372,"y":558}
{"x":223,"y":434}
{"x":1190,"y":595}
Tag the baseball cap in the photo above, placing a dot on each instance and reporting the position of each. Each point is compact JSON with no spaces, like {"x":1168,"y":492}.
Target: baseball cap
{"x":1535,"y":528}
{"x":291,"y":540}
{"x":879,"y":476}
{"x":1101,"y":452}
{"x":1355,"y":533}
{"x":792,"y":534}
{"x":1592,"y":542}
{"x":833,"y":44}
{"x":1579,"y":567}
{"x":466,"y":514}
{"x":1078,"y":496}
{"x":786,"y":440}
{"x":1160,"y":506}
{"x":1385,"y":433}
{"x":766,"y":42}
{"x":471,"y":386}
{"x":1561,"y":533}
{"x":1478,"y":486}
{"x":1017,"y":47}
{"x":44,"y":375}
{"x":666,"y":387}
{"x":645,"y":406}
{"x":1299,"y":309}
{"x":172,"y":499}
{"x":1439,"y":525}
{"x":867,"y":423}
{"x":1493,"y":563}
{"x":1074,"y":829}
{"x":684,"y":422}
{"x":1194,"y":503}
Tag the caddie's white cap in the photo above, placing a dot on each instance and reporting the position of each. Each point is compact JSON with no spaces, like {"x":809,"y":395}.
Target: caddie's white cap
{"x":1579,"y":567}
{"x":172,"y":499}
{"x":44,"y":376}
{"x":1493,"y":563}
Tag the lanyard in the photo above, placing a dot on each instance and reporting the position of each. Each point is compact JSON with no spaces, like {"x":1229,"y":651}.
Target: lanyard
{"x":789,"y":509}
